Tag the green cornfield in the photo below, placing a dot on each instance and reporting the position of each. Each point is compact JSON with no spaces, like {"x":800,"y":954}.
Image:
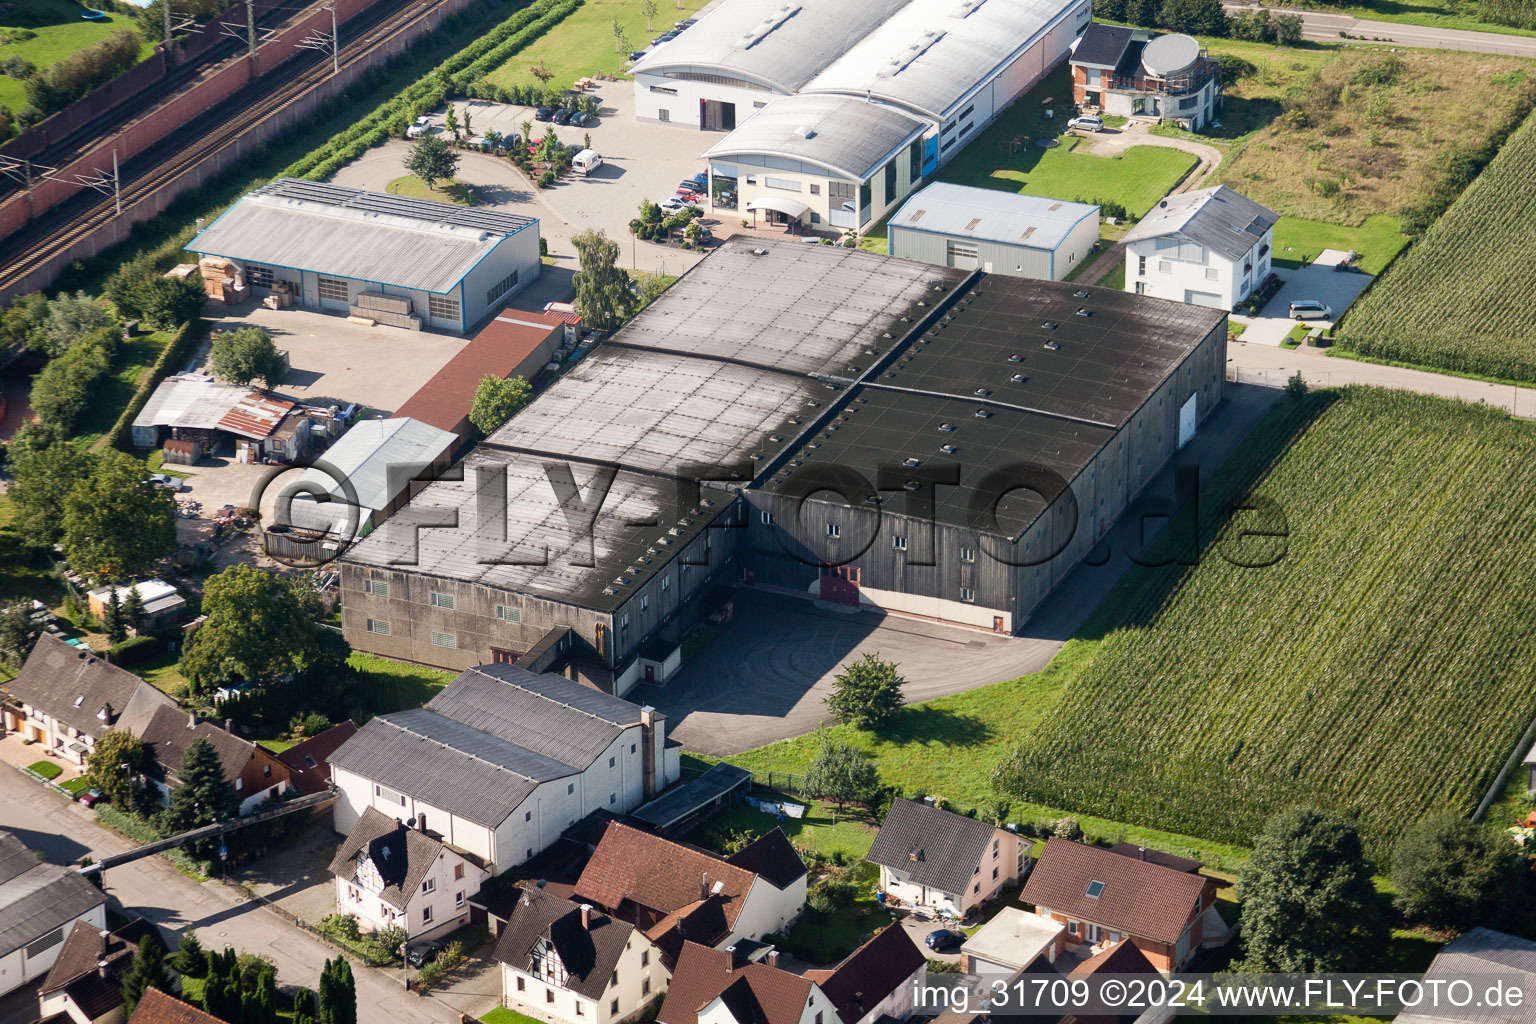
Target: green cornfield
{"x":1384,"y":666}
{"x":1461,"y":298}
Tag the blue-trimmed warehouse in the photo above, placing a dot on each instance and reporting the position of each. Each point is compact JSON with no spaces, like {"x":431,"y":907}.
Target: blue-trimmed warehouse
{"x":405,"y":262}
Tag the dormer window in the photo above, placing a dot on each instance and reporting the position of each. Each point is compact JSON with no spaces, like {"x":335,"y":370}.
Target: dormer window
{"x":80,"y":700}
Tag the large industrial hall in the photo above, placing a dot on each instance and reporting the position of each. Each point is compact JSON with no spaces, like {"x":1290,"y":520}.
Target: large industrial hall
{"x":812,"y":419}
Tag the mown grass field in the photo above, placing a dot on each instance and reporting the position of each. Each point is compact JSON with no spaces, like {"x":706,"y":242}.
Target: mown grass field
{"x":582,"y":44}
{"x":1343,"y":149}
{"x":1460,"y":299}
{"x":1136,"y":179}
{"x":1381,"y":667}
{"x":1377,"y":240}
{"x":60,"y":32}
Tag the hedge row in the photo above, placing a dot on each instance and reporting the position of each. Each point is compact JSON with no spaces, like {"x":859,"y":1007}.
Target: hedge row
{"x":453,"y":75}
{"x":121,"y":432}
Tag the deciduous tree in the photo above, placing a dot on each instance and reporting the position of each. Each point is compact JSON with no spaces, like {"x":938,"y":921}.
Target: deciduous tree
{"x":116,"y":766}
{"x":648,"y":8}
{"x":70,"y":318}
{"x":603,"y":293}
{"x":115,"y":521}
{"x":40,"y":481}
{"x":841,"y":773}
{"x":496,"y":400}
{"x":1452,"y":874}
{"x":256,"y":628}
{"x":247,"y":355}
{"x":432,"y":160}
{"x":867,"y":693}
{"x":18,"y":632}
{"x":1306,"y":898}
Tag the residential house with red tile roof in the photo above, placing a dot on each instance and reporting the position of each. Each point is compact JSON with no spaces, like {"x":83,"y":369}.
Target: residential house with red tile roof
{"x":570,"y":963}
{"x":1104,"y":898}
{"x":256,"y":774}
{"x":877,"y":980}
{"x":674,"y":892}
{"x":85,"y":983}
{"x":710,"y":986}
{"x":308,"y":762}
{"x":155,"y":1007}
{"x":393,"y":873}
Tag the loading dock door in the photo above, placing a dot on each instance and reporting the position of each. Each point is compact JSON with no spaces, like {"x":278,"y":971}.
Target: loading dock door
{"x":1188,"y":414}
{"x":717,"y":116}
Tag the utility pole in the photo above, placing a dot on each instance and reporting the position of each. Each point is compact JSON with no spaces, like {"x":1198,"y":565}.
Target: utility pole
{"x":335,"y":44}
{"x":165,"y":9}
{"x":117,"y":184}
{"x":250,"y":27}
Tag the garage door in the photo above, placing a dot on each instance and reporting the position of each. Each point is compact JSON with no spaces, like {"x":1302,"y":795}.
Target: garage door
{"x":1203,"y":299}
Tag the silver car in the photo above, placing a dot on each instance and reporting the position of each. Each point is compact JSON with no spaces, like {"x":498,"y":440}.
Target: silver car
{"x":1310,"y":309}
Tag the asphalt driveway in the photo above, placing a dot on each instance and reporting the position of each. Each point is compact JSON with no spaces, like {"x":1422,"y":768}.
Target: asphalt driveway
{"x":1317,"y":280}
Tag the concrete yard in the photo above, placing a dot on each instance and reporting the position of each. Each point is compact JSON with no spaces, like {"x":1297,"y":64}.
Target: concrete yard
{"x":1317,"y":280}
{"x":641,"y":161}
{"x":332,"y":360}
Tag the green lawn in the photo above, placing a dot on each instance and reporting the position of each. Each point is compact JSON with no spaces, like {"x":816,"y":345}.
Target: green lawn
{"x":582,"y":44}
{"x":163,"y":671}
{"x":1377,"y":240}
{"x":402,"y":685}
{"x":825,"y":940}
{"x":822,"y":830}
{"x":74,"y":787}
{"x":134,"y":359}
{"x":47,"y":769}
{"x":1116,"y":279}
{"x":451,"y":191}
{"x":278,"y":746}
{"x":1135,"y":179}
{"x":60,"y":32}
{"x":502,"y":1015}
{"x":948,"y":747}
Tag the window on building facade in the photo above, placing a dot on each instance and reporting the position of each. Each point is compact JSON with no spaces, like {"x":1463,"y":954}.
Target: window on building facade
{"x":549,"y":995}
{"x":430,"y":885}
{"x":841,"y":190}
{"x":613,"y":798}
{"x":333,"y":289}
{"x":1141,"y":266}
{"x":663,"y":115}
{"x":815,"y":189}
{"x":645,"y":987}
{"x":783,"y":184}
{"x":613,"y":1008}
{"x":522,"y":984}
{"x":378,"y":588}
{"x":426,"y":915}
{"x":442,"y":307}
{"x":438,"y":600}
{"x":506,"y":613}
{"x":260,"y":277}
{"x":899,"y":543}
{"x":890,"y":182}
{"x":967,"y":555}
{"x":915,"y":160}
{"x":645,"y":601}
{"x":833,"y":530}
{"x":967,"y":594}
{"x":766,"y":518}
{"x":379,"y":626}
{"x":579,"y":1011}
{"x":444,"y":640}
{"x":458,"y":872}
{"x":645,"y":957}
{"x":501,"y":288}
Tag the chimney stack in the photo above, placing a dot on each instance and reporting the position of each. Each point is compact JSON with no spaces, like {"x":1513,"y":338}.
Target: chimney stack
{"x":229,"y":725}
{"x":1141,"y":853}
{"x":649,"y":747}
{"x":773,"y":958}
{"x":101,"y":968}
{"x":704,"y":885}
{"x":421,"y":820}
{"x":191,"y":719}
{"x":586,"y":916}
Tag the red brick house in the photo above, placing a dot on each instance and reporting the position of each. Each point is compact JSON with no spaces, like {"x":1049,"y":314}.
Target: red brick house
{"x":1135,"y":73}
{"x":256,"y":774}
{"x":1105,"y":898}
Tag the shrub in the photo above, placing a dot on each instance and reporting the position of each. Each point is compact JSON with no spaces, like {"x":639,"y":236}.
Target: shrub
{"x":340,"y":926}
{"x":546,"y":179}
{"x":74,"y":76}
{"x":134,"y":650}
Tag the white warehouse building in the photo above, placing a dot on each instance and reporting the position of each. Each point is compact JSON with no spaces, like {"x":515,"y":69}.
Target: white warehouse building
{"x":999,"y":232}
{"x":405,"y":262}
{"x":502,"y":761}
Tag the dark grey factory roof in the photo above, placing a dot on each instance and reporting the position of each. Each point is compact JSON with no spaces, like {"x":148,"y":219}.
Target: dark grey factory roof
{"x":1102,"y":46}
{"x":681,"y":801}
{"x":885,"y":428}
{"x":932,"y":847}
{"x":37,"y":897}
{"x":796,"y":308}
{"x":535,"y":522}
{"x":348,"y":232}
{"x":447,"y":764}
{"x":1217,"y":218}
{"x":657,"y":411}
{"x":847,"y":136}
{"x":547,"y":714}
{"x":1105,"y":364}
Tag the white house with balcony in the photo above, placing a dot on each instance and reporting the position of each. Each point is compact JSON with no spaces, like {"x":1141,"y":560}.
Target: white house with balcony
{"x":1208,"y":248}
{"x":394,"y":873}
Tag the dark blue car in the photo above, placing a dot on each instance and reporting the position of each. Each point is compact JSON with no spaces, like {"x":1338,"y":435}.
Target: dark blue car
{"x":945,"y":938}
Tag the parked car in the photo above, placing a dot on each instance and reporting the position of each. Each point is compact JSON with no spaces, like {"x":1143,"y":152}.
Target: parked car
{"x":419,"y":127}
{"x":423,"y":953}
{"x":665,"y":37}
{"x":1310,"y":309}
{"x":685,"y":23}
{"x":636,"y":55}
{"x":170,"y":483}
{"x":945,"y":938}
{"x":561,"y":116}
{"x":90,"y":797}
{"x":581,"y":117}
{"x":1087,"y":123}
{"x":586,"y":161}
{"x":690,"y":187}
{"x":702,"y":178}
{"x":543,"y":114}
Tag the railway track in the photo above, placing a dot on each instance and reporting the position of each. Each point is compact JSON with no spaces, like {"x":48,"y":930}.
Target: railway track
{"x":78,"y":217}
{"x":65,"y":149}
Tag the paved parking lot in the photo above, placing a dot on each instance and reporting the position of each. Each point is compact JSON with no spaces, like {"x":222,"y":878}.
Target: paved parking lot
{"x":1317,"y":280}
{"x":640,"y":161}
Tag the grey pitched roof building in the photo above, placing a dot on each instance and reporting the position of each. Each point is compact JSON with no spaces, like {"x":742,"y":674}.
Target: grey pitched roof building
{"x":1218,"y":218}
{"x":1482,"y":951}
{"x":935,"y":848}
{"x":85,"y":692}
{"x":483,"y":744}
{"x":844,"y":135}
{"x":170,"y":731}
{"x":36,"y":897}
{"x":402,"y":855}
{"x":589,"y":943}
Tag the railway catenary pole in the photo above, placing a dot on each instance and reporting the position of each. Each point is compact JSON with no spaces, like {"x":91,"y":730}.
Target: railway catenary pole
{"x":250,"y":28}
{"x":117,"y":184}
{"x":335,"y":44}
{"x":165,"y":9}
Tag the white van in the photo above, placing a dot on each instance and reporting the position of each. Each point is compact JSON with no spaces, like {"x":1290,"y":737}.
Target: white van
{"x":587,"y":161}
